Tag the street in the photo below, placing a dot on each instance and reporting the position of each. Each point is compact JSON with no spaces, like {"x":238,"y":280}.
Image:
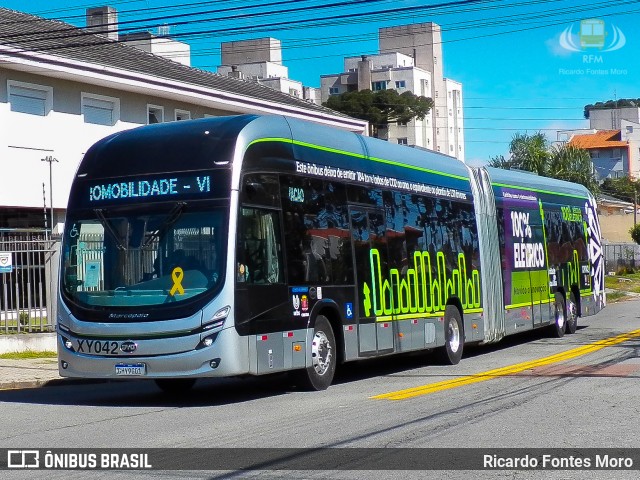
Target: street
{"x":587,"y":398}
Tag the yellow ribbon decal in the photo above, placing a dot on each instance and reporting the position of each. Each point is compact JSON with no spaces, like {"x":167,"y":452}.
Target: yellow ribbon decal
{"x":177,"y":275}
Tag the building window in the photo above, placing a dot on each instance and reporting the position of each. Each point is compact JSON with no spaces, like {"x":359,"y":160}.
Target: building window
{"x":449,"y":94}
{"x":377,"y":86}
{"x":595,"y":154}
{"x":438,"y":147}
{"x":401,"y":84}
{"x":451,"y":148}
{"x":629,"y":128}
{"x":401,"y":124}
{"x":30,"y":98}
{"x":450,"y":112}
{"x":100,"y":110}
{"x":403,"y":141}
{"x":182,"y":115}
{"x":334,"y":90}
{"x":155,"y":114}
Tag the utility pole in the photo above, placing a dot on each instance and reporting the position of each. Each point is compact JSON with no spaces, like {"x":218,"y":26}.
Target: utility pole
{"x":49,"y":159}
{"x":44,"y":211}
{"x":635,"y":205}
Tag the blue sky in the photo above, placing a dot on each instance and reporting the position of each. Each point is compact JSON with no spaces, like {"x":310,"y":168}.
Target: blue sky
{"x":517,"y":74}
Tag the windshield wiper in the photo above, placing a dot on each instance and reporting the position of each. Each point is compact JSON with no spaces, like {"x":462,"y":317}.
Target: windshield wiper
{"x":172,"y":218}
{"x":107,"y":226}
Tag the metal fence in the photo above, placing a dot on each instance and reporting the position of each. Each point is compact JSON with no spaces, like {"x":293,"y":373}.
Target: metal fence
{"x":28,"y":281}
{"x":621,"y":257}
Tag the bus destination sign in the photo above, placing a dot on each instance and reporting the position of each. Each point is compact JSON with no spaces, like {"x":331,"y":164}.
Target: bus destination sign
{"x":169,"y":186}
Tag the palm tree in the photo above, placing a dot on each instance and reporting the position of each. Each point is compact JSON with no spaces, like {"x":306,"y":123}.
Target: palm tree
{"x":530,"y":152}
{"x":568,"y":162}
{"x":526,"y":152}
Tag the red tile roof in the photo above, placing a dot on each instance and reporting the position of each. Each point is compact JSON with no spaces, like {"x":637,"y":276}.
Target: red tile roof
{"x":601,"y":139}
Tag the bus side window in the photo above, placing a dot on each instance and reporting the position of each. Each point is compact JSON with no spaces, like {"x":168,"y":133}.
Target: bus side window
{"x":259,"y":251}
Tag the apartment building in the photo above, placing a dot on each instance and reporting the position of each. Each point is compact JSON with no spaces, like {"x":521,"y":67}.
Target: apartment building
{"x":410,"y":59}
{"x":260,"y":60}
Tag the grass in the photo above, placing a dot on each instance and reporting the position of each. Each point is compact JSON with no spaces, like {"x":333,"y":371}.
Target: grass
{"x":615,"y":296}
{"x":28,"y":354}
{"x":622,"y":285}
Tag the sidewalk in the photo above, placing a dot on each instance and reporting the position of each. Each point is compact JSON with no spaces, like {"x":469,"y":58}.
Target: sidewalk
{"x":29,"y":373}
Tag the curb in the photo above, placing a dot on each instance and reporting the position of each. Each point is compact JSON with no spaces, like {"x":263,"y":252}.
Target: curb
{"x":56,"y":382}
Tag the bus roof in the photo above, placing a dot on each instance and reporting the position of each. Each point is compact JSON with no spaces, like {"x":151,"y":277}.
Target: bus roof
{"x":535,"y":183}
{"x":196,"y":144}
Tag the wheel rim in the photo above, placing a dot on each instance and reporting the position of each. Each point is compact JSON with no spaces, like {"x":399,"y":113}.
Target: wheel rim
{"x":559,"y":317}
{"x":454,"y":336}
{"x":321,"y":353}
{"x":572,"y":310}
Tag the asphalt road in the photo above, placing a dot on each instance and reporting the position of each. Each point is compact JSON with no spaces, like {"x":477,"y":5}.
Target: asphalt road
{"x":572,"y":393}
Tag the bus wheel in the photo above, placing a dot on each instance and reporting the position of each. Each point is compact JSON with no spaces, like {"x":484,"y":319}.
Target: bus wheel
{"x":451,"y":352}
{"x":175,"y":386}
{"x":572,"y":314}
{"x":559,"y":323}
{"x":323,"y":357}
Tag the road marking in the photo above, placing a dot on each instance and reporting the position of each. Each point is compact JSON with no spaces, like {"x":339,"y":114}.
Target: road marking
{"x":504,"y":371}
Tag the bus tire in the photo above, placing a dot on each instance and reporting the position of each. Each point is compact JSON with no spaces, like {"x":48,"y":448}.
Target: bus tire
{"x":175,"y":386}
{"x":320,"y":374}
{"x":572,"y":314}
{"x":559,"y":320}
{"x":451,"y":352}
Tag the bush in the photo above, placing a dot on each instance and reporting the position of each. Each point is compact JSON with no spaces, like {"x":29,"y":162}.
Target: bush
{"x":24,"y":319}
{"x":635,"y":233}
{"x":625,"y":270}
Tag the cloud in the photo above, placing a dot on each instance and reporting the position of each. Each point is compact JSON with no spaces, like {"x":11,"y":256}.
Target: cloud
{"x":555,"y":47}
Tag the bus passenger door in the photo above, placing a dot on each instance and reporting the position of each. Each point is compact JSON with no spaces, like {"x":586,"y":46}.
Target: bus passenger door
{"x":373,"y":285}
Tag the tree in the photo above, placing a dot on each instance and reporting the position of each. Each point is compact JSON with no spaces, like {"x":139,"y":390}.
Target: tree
{"x":610,"y":104}
{"x":573,"y":164}
{"x":382,"y":107}
{"x":623,"y":188}
{"x":526,"y":152}
{"x":635,"y":233}
{"x":533,"y":154}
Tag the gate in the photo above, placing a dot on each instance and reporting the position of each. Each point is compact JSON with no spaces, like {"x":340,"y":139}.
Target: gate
{"x":621,"y":257}
{"x":28,"y":280}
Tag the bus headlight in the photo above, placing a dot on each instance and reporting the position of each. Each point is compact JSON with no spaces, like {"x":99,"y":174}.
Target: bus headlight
{"x":207,"y":341}
{"x":217,"y":321}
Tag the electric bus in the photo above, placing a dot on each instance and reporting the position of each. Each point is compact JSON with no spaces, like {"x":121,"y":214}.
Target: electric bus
{"x":248,"y":245}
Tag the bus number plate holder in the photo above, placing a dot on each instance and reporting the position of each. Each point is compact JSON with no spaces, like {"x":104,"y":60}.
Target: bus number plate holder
{"x":131,"y":369}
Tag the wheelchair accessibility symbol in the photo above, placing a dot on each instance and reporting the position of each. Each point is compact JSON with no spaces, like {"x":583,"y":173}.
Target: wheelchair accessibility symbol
{"x":349,"y":310}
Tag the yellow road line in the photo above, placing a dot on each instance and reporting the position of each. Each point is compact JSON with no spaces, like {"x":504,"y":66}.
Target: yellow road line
{"x":504,"y":371}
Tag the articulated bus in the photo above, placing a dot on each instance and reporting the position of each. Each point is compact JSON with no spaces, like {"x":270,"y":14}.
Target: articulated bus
{"x":248,"y":245}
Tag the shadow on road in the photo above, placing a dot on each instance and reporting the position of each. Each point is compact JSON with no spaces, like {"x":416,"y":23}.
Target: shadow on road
{"x":216,"y":392}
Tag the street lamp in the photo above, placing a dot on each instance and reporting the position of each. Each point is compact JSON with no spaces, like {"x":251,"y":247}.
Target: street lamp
{"x":49,"y":159}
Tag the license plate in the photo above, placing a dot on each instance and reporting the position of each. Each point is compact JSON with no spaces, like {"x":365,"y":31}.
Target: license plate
{"x":131,"y":369}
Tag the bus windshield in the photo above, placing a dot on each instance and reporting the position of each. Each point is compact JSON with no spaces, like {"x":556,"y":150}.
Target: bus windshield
{"x":144,"y":255}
